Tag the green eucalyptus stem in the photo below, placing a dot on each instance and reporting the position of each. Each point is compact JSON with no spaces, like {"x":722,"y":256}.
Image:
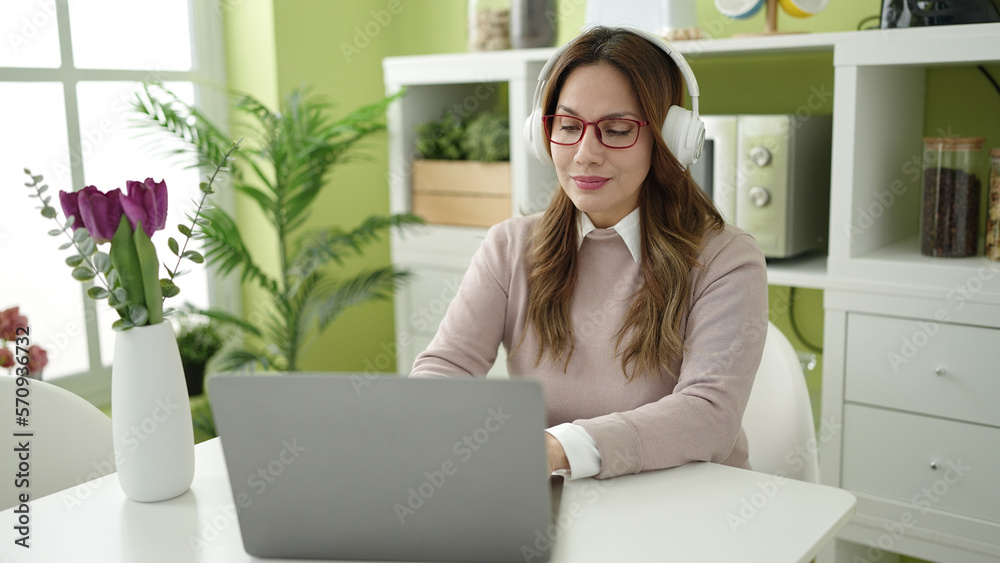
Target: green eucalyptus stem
{"x":90,"y":262}
{"x":49,"y":212}
{"x":205,"y":192}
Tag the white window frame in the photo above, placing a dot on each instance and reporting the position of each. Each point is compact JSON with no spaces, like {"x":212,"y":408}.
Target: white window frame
{"x":208,"y":68}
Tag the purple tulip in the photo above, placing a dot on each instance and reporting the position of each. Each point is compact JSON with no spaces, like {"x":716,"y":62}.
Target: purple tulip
{"x":101,"y":213}
{"x":70,"y":202}
{"x":146,"y":202}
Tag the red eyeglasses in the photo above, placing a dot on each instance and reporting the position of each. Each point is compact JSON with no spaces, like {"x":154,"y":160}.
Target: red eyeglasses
{"x":614,"y":133}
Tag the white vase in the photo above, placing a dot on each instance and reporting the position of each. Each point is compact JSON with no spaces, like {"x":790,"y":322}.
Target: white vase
{"x":151,"y":415}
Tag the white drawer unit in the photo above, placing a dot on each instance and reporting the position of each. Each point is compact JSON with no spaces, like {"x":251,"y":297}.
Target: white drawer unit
{"x":924,"y":461}
{"x":430,"y":291}
{"x":924,"y":366}
{"x":429,"y":294}
{"x":912,"y":411}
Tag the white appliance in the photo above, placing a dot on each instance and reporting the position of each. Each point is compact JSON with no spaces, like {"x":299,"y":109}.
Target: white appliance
{"x":770,"y":176}
{"x":657,"y":17}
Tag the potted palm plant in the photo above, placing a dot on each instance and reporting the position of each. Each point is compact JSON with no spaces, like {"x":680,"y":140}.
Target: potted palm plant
{"x":283,"y":166}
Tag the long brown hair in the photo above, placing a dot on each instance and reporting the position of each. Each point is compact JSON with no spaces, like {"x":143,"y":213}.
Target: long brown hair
{"x":674,"y":215}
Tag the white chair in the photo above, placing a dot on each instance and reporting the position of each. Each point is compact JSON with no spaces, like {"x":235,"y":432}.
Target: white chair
{"x":778,"y":420}
{"x":70,"y":441}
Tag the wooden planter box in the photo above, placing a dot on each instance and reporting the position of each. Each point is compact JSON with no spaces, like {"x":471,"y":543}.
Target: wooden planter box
{"x":459,"y":192}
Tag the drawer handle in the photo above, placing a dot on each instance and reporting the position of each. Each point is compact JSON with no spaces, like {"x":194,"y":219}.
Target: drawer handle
{"x":934,"y":465}
{"x":940,"y":371}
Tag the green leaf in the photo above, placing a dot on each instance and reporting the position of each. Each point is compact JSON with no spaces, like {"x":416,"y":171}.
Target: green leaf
{"x":80,"y":235}
{"x":49,"y":212}
{"x":120,"y":294}
{"x":65,"y":245}
{"x":42,"y":189}
{"x":149,"y":267}
{"x":225,"y":248}
{"x":184,"y":230}
{"x":203,"y":221}
{"x":173,"y":246}
{"x":230,"y":319}
{"x":69,"y":221}
{"x":264,"y":201}
{"x":83,"y":273}
{"x":169,"y":288}
{"x":138,"y":315}
{"x":74,"y":261}
{"x":55,"y":232}
{"x":194,"y":256}
{"x":98,"y":293}
{"x":102,"y":262}
{"x":126,"y":263}
{"x":88,"y":246}
{"x":367,"y":285}
{"x":206,"y":188}
{"x":121,"y":324}
{"x":168,"y":113}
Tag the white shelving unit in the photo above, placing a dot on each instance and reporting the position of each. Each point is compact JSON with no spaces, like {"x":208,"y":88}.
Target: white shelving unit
{"x":910,"y":341}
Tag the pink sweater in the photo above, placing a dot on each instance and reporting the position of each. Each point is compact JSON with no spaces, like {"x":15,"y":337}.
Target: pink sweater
{"x":653,"y":422}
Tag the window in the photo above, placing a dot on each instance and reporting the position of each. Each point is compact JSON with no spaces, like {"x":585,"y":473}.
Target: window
{"x":67,"y":74}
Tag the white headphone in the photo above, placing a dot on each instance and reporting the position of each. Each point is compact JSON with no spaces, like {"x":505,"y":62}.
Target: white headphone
{"x":683,"y":130}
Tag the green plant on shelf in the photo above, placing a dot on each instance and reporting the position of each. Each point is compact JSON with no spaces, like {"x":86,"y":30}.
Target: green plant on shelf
{"x":484,"y":137}
{"x":198,"y":340}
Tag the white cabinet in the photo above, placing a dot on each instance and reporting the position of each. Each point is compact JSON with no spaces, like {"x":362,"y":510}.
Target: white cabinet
{"x":885,"y":427}
{"x":912,"y":343}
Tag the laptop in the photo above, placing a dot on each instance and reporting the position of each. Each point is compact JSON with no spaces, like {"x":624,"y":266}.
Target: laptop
{"x":346,"y":466}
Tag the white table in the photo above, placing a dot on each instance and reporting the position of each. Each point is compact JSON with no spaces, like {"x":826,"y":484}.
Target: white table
{"x":698,"y":512}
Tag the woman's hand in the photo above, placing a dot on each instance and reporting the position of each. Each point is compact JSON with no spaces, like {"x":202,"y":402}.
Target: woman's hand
{"x":556,"y":453}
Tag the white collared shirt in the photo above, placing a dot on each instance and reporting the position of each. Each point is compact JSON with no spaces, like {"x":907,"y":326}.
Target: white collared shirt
{"x":627,"y":228}
{"x":581,"y":450}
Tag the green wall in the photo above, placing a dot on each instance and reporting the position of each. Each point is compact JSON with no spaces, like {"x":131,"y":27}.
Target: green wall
{"x":338,"y":45}
{"x":251,"y":65}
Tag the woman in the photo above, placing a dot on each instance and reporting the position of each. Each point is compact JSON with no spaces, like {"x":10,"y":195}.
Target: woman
{"x":641,"y":312}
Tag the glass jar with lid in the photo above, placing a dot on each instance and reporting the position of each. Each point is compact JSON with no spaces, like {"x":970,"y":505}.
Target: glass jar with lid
{"x":533,"y":23}
{"x":993,"y":208}
{"x":949,"y":219}
{"x":489,"y":25}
